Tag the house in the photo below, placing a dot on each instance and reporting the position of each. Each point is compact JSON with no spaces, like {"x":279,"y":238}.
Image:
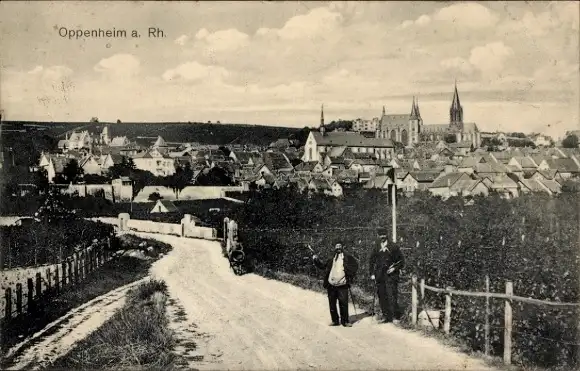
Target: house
{"x":90,"y":165}
{"x":409,"y":184}
{"x":320,"y":143}
{"x":460,"y":149}
{"x":308,"y":167}
{"x":164,"y":206}
{"x":381,"y":182}
{"x":119,"y":142}
{"x":424,"y":178}
{"x":505,"y":185}
{"x":469,"y":187}
{"x":532,"y":186}
{"x":154,"y":162}
{"x":159,"y":143}
{"x":442,"y":185}
{"x":541,"y":140}
{"x":328,"y":187}
{"x":567,"y":167}
{"x":76,"y":141}
{"x":277,"y":162}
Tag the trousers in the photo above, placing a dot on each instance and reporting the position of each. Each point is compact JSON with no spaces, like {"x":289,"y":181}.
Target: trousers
{"x":388,"y":291}
{"x":340,"y":294}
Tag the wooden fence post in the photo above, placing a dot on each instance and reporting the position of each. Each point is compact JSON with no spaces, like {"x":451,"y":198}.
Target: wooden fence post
{"x":76,"y":265}
{"x":63,"y":264}
{"x":30,"y":295}
{"x":48,"y":279}
{"x":83,"y":263}
{"x":487,"y":315}
{"x":70,"y":270}
{"x":447,"y":323}
{"x":19,"y":298}
{"x":8,"y":300}
{"x":507,"y":332}
{"x":38,"y":285}
{"x":414,"y":300}
{"x":422,"y":290}
{"x":56,"y":280}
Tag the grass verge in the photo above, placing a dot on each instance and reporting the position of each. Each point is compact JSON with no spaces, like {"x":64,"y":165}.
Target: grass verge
{"x":114,"y":274}
{"x":136,"y":337}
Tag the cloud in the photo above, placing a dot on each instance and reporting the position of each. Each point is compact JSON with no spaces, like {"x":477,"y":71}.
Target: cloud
{"x":181,"y":40}
{"x":195,"y":72}
{"x":223,"y":40}
{"x":457,"y":64}
{"x":470,"y":15}
{"x":491,"y":57}
{"x":319,"y":22}
{"x":423,"y":20}
{"x":119,"y":65}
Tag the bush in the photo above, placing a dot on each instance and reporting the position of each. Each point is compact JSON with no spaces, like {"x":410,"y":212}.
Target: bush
{"x":449,"y":244}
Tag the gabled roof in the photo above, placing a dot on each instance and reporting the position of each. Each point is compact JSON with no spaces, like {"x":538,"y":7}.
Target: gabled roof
{"x":465,"y":184}
{"x":503,"y":182}
{"x":276,"y":161}
{"x":447,"y":180}
{"x":350,"y":139}
{"x":563,"y":165}
{"x":160,"y":142}
{"x":320,"y":184}
{"x":460,"y":145}
{"x":423,"y":176}
{"x":336,"y":151}
{"x":552,"y":185}
{"x":533,"y":185}
{"x":376,"y":182}
{"x":306,"y":166}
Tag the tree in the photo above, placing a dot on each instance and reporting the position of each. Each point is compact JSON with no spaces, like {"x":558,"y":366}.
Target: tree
{"x":72,"y":172}
{"x":94,"y":119}
{"x":225,"y":150}
{"x":182,"y":177}
{"x":571,"y":141}
{"x":40,"y":179}
{"x":155,"y":196}
{"x":450,"y":138}
{"x":118,"y":121}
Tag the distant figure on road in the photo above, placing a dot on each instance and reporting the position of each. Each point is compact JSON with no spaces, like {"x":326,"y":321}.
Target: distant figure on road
{"x":339,"y":273}
{"x":385,"y":264}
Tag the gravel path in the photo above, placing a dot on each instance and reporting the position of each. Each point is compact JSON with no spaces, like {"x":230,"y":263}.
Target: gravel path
{"x":249,"y":322}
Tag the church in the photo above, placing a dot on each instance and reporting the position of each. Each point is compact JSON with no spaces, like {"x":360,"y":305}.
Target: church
{"x":409,"y":128}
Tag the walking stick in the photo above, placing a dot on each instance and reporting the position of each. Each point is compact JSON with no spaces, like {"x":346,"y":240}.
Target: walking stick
{"x":352,"y":298}
{"x":374,"y":298}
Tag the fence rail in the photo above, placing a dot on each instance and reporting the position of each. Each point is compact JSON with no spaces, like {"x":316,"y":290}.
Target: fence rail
{"x":46,"y":285}
{"x":508,"y":297}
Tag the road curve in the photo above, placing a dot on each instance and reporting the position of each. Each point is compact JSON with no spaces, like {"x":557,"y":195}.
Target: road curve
{"x":257,"y":324}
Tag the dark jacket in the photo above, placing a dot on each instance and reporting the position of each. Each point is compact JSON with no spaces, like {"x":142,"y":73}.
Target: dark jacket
{"x":350,"y":268}
{"x":380,"y":262}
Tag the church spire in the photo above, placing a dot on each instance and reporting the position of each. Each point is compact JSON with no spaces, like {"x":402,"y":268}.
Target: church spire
{"x":322,"y":128}
{"x":417,"y":107}
{"x":456,"y":111}
{"x":414,"y":114}
{"x":384,"y":110}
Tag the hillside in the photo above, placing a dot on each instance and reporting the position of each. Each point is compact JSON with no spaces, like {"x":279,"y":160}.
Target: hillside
{"x":203,"y":133}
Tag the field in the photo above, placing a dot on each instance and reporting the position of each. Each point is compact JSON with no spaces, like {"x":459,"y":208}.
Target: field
{"x":449,"y":244}
{"x":146,"y":133}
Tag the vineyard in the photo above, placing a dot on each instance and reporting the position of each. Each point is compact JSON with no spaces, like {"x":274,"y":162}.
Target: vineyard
{"x":532,"y":241}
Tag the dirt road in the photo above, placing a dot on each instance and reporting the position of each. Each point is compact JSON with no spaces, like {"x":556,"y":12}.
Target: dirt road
{"x":254,"y":323}
{"x":60,"y":336}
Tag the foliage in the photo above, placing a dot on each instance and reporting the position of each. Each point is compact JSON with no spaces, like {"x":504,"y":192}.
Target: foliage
{"x":216,"y":176}
{"x":448,"y":243}
{"x":71,"y":173}
{"x":56,"y":232}
{"x":517,"y":135}
{"x":450,"y":138}
{"x":571,"y":141}
{"x":155,"y":196}
{"x":96,"y":179}
{"x":182,"y":177}
{"x":340,"y":124}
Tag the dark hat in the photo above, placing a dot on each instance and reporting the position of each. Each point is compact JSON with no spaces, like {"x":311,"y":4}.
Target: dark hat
{"x":382,"y":232}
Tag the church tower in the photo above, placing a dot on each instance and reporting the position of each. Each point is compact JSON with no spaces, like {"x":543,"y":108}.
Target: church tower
{"x":415,"y":123}
{"x":456,"y":112}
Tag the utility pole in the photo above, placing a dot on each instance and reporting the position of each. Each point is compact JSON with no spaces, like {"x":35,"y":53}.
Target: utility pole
{"x":394,"y":210}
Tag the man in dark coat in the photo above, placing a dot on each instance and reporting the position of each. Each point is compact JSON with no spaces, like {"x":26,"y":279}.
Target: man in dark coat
{"x":339,"y":273}
{"x":385,"y":264}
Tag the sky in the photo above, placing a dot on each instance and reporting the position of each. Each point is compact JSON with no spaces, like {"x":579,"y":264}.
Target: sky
{"x":275,"y":63}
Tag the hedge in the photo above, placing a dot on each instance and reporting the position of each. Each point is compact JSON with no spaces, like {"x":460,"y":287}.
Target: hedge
{"x":449,"y":243}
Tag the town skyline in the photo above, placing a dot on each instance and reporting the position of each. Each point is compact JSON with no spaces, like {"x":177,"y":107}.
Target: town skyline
{"x":516,"y":64}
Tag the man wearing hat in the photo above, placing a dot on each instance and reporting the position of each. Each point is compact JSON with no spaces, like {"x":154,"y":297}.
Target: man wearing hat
{"x":340,"y":271}
{"x":385,"y":264}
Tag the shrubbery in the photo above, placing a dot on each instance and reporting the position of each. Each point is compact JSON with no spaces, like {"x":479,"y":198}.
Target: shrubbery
{"x":449,"y":244}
